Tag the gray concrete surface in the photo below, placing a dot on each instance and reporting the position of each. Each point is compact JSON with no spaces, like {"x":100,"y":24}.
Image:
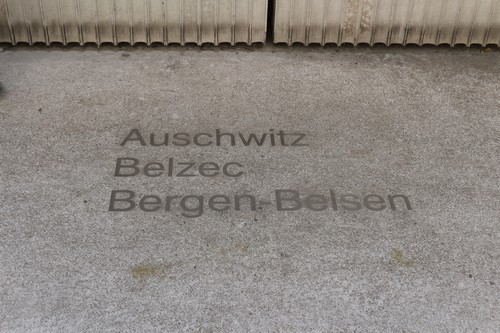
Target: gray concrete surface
{"x":423,"y":123}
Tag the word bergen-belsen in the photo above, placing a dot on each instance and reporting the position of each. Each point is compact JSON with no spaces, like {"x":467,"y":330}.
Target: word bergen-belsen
{"x":285,"y":200}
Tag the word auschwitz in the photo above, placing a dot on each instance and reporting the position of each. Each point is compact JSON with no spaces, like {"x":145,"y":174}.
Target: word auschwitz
{"x":218,"y":138}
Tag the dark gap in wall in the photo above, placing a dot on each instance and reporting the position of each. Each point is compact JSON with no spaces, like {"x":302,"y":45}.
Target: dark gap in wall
{"x":270,"y":21}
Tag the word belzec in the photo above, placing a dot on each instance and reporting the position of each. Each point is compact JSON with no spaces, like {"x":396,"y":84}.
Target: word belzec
{"x":130,"y":167}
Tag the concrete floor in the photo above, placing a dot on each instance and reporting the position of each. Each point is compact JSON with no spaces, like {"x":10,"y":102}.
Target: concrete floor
{"x":388,"y":219}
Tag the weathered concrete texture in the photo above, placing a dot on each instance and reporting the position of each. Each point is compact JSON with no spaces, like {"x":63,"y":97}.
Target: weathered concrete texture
{"x":424,"y":123}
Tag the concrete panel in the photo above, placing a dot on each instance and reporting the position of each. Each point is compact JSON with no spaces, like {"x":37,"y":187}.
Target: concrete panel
{"x":367,"y":124}
{"x":133,"y":21}
{"x":388,"y":22}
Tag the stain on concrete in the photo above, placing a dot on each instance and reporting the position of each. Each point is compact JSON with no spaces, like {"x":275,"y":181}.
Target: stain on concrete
{"x":284,"y":255}
{"x":148,"y":271}
{"x":236,"y":248}
{"x":241,"y":247}
{"x":399,"y":258}
{"x":2,"y":90}
{"x":358,"y":15}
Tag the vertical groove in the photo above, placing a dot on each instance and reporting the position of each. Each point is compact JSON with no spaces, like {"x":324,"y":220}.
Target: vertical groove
{"x":79,"y":17}
{"x":147,"y":9}
{"x":198,"y":22}
{"x":44,"y":23}
{"x":290,"y":23}
{"x":9,"y":23}
{"x":250,"y":21}
{"x":456,"y":27}
{"x":493,"y":8}
{"x":216,"y":22}
{"x":61,"y":22}
{"x":340,"y":35}
{"x":326,"y":7}
{"x":357,"y":28}
{"x":165,"y":27}
{"x":374,"y":22}
{"x":96,"y":26}
{"x":474,"y":19}
{"x":26,"y":23}
{"x":439,"y":28}
{"x":233,"y":23}
{"x":407,"y":26}
{"x":130,"y":22}
{"x":388,"y":39}
{"x":182,"y":22}
{"x":308,"y":23}
{"x":423,"y":28}
{"x":113,"y":21}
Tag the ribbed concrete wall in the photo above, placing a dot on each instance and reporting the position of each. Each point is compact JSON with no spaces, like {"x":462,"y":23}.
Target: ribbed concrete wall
{"x":133,"y":21}
{"x":232,"y":21}
{"x":388,"y":22}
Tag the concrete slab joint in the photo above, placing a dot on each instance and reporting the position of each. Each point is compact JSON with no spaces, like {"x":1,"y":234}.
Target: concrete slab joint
{"x":246,"y":21}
